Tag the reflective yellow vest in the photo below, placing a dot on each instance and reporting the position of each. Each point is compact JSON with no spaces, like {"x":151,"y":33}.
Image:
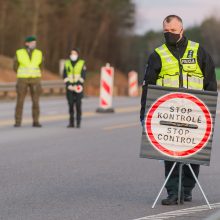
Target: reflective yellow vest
{"x":74,"y":73}
{"x":29,"y":67}
{"x":170,"y":70}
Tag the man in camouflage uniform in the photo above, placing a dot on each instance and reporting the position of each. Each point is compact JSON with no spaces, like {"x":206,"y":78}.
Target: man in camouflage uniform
{"x":27,"y":64}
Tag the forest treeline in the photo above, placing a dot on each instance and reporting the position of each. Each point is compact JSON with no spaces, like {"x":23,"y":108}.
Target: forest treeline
{"x":102,"y":30}
{"x":96,"y":27}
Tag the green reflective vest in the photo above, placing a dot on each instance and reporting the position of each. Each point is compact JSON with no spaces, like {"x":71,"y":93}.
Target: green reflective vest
{"x":170,"y":70}
{"x":74,"y":73}
{"x":29,"y":67}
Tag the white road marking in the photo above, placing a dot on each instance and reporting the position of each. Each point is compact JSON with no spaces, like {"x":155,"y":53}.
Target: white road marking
{"x":173,"y":214}
{"x":128,"y":125}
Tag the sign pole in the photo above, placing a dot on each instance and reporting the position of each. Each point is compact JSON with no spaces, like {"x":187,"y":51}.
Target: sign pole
{"x":180,"y":182}
{"x":171,"y":170}
{"x":197,"y":181}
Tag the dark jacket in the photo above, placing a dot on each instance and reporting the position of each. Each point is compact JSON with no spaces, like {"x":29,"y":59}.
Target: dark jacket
{"x":154,"y":66}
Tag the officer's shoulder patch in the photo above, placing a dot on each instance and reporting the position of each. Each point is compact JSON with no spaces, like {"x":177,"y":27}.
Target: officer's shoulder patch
{"x":190,"y":54}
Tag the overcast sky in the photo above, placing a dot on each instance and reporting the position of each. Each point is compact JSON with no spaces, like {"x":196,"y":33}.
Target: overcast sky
{"x":150,"y":13}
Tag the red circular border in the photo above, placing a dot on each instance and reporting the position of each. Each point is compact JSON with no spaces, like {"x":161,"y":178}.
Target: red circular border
{"x":180,"y":153}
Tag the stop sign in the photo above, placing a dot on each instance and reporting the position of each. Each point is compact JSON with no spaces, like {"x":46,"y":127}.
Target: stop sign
{"x":178,"y":124}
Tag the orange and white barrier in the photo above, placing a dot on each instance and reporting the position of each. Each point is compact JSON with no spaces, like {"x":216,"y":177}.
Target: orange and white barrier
{"x":106,"y":89}
{"x":132,"y":84}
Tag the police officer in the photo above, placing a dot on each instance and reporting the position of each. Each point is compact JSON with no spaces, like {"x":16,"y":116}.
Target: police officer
{"x":74,"y":76}
{"x":28,"y":63}
{"x":166,"y":68}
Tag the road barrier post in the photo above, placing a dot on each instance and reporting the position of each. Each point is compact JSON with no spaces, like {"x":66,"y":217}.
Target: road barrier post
{"x":106,"y":89}
{"x":132,"y":84}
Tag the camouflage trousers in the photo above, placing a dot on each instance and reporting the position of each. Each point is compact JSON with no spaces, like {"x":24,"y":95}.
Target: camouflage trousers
{"x":35,"y":90}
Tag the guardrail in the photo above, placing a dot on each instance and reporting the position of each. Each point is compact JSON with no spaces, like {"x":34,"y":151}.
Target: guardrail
{"x":48,"y":87}
{"x":52,"y":87}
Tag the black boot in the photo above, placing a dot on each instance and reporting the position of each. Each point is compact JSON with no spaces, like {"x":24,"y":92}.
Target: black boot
{"x":71,"y":123}
{"x":37,"y":125}
{"x":78,"y":124}
{"x":70,"y":126}
{"x":188,"y":196}
{"x":16,"y":125}
{"x":171,"y":200}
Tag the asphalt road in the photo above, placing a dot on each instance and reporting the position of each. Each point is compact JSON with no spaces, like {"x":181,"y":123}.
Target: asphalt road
{"x":92,"y":173}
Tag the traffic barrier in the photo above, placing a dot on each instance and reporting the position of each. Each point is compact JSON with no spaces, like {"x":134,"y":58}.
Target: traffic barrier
{"x":106,"y":89}
{"x":133,"y":84}
{"x":53,"y":87}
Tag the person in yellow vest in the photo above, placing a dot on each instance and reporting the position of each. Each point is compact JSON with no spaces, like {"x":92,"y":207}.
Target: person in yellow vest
{"x":28,"y":61}
{"x":74,"y":77}
{"x":179,"y":62}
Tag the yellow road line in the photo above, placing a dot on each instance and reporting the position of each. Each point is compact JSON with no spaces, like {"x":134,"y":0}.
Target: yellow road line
{"x":45,"y":118}
{"x":49,"y":118}
{"x":62,"y":117}
{"x":128,"y":125}
{"x":127,"y":109}
{"x":7,"y":122}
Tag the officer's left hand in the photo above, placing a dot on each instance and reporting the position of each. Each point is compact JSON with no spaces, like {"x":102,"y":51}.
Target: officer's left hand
{"x":81,"y":80}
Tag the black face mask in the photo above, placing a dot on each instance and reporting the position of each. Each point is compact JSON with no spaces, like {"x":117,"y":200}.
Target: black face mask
{"x":171,"y":38}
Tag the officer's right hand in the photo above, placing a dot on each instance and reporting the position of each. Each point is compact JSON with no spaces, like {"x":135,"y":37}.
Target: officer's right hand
{"x":70,"y":87}
{"x":142,"y":123}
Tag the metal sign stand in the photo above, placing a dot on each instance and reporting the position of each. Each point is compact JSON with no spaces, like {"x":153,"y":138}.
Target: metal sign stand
{"x":180,"y":183}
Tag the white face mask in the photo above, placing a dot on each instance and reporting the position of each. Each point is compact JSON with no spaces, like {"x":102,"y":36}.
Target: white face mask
{"x":73,"y":57}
